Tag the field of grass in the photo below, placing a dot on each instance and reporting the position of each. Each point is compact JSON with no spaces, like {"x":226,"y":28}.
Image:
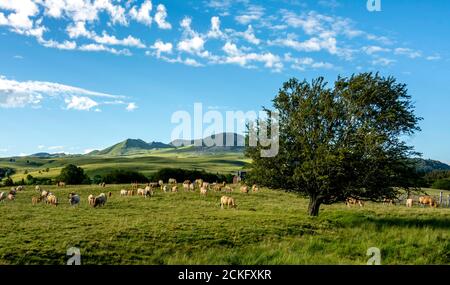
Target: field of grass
{"x":98,"y":165}
{"x":269,"y":227}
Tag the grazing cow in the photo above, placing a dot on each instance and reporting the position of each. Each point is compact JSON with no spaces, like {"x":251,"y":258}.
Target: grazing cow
{"x":130,"y":193}
{"x":217,"y":187}
{"x":2,"y":196}
{"x":388,"y":201}
{"x":44,"y":194}
{"x":199,"y":182}
{"x":123,"y":192}
{"x":140,"y":192}
{"x":353,"y":201}
{"x":134,"y":186}
{"x":192,"y":187}
{"x":165,"y":188}
{"x":100,"y":200}
{"x":427,"y":200}
{"x":172,"y":181}
{"x":244,"y":189}
{"x":35,"y":200}
{"x":148,"y":192}
{"x":13,"y":191}
{"x":52,"y":200}
{"x":153,"y":184}
{"x":255,"y":188}
{"x":160,"y":183}
{"x":409,"y":203}
{"x":109,"y":194}
{"x":103,"y":184}
{"x":91,"y":200}
{"x":20,"y":188}
{"x":228,"y":189}
{"x":61,"y":184}
{"x":205,"y":184}
{"x":203,"y":190}
{"x":38,"y":188}
{"x":74,"y":199}
{"x":11,"y":197}
{"x":175,"y":188}
{"x":186,"y":185}
{"x":227,"y":201}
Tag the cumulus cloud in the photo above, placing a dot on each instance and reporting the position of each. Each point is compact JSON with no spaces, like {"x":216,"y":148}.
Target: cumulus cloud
{"x":160,"y":18}
{"x":253,"y":13}
{"x":161,"y":47}
{"x":131,"y":107}
{"x":142,"y":14}
{"x":193,"y":45}
{"x":408,"y":52}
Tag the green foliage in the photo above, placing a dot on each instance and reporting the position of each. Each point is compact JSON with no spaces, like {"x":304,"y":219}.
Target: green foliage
{"x":72,"y":174}
{"x":123,"y":176}
{"x":340,"y":142}
{"x":8,"y":181}
{"x":443,"y":184}
{"x":4,"y":172}
{"x":185,"y":174}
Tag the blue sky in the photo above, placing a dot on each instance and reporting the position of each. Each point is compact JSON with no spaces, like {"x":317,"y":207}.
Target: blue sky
{"x":81,"y":75}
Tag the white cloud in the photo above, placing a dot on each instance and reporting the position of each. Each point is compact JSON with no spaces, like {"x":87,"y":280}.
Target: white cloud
{"x":80,"y":103}
{"x":383,"y":61}
{"x":306,"y":62}
{"x":253,"y":13}
{"x":408,"y":52}
{"x":193,"y":45}
{"x":129,"y":41}
{"x":236,"y":56}
{"x":131,"y":107}
{"x":20,"y":14}
{"x":100,"y":47}
{"x":56,"y":147}
{"x":142,"y":14}
{"x":249,"y":35}
{"x":161,"y":47}
{"x":78,"y":29}
{"x":215,"y":31}
{"x":160,"y":18}
{"x":433,"y":57}
{"x":17,"y":94}
{"x":374,"y":49}
{"x":41,"y":146}
{"x":66,"y":45}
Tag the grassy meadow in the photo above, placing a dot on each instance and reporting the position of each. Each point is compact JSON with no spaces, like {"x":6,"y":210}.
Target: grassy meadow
{"x":269,"y":227}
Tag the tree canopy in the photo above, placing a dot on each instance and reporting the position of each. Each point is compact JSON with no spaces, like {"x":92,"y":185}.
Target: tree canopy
{"x":72,"y":174}
{"x":340,"y":142}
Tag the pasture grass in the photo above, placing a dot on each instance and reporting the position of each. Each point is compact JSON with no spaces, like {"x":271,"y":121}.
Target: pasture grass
{"x":269,"y":227}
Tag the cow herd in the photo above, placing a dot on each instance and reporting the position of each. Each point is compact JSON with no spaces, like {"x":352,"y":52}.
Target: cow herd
{"x":199,"y":184}
{"x":135,"y":190}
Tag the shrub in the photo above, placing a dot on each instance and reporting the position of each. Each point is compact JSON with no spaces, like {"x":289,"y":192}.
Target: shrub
{"x":442,"y":184}
{"x":124,"y":176}
{"x":72,"y":174}
{"x":184,"y":174}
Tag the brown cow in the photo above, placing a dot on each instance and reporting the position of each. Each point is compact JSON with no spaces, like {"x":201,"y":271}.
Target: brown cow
{"x":353,"y":201}
{"x":227,"y":201}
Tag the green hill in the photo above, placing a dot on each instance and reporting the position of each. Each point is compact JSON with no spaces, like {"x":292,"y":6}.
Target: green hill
{"x":129,"y":147}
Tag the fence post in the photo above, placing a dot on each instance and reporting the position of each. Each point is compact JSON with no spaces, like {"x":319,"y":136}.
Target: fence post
{"x":441,"y":197}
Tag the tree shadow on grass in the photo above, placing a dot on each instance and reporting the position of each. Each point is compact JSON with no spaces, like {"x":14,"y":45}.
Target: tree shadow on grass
{"x":431,"y":222}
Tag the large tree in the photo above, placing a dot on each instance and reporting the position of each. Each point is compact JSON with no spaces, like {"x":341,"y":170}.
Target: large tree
{"x":340,"y":142}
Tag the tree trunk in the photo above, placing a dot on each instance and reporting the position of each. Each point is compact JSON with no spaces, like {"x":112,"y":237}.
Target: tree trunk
{"x":314,"y":206}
